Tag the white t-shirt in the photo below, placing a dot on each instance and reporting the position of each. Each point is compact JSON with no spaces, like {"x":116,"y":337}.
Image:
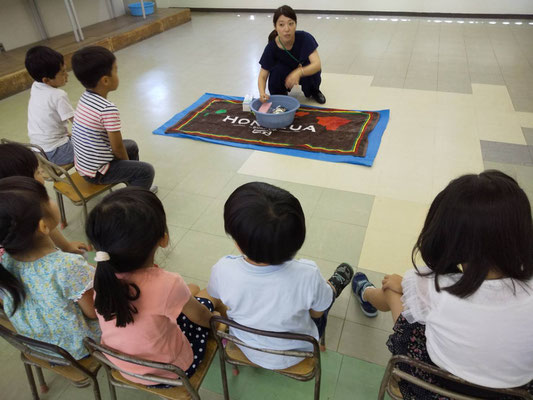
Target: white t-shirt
{"x":486,"y":338}
{"x":272,"y":298}
{"x":49,"y":110}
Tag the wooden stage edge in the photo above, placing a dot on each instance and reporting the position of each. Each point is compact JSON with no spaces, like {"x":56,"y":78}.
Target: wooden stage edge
{"x":113,"y":34}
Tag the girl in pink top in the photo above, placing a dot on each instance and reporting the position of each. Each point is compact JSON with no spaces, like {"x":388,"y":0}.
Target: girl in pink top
{"x":143,"y":310}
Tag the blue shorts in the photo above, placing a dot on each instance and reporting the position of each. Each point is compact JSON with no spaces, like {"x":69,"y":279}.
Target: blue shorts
{"x":62,"y":155}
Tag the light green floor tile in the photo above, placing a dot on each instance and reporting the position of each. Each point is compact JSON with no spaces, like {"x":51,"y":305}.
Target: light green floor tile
{"x":333,"y":241}
{"x":351,"y":208}
{"x":358,"y":380}
{"x":365,"y":343}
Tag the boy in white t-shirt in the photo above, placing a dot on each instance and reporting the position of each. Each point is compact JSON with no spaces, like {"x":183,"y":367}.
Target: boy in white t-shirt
{"x":266,"y":288}
{"x":49,"y":109}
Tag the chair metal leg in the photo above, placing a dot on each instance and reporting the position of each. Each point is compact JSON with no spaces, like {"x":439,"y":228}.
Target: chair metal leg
{"x":31,"y":381}
{"x":96,"y":389}
{"x":112,"y":391}
{"x":84,"y":213}
{"x":317,"y":383}
{"x":44,"y":387}
{"x":61,"y":205}
{"x":223,"y":374}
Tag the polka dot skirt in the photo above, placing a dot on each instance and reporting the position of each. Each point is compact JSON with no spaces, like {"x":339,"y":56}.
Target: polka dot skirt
{"x":196,"y":335}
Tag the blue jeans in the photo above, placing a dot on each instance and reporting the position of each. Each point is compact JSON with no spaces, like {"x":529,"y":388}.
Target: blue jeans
{"x":132,"y":172}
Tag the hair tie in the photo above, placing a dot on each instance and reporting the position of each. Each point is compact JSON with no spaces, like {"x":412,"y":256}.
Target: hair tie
{"x":101,"y":256}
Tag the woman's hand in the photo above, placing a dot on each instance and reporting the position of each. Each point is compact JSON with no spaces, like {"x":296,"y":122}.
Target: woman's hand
{"x":264,"y":98}
{"x":293,"y":79}
{"x":392,"y":282}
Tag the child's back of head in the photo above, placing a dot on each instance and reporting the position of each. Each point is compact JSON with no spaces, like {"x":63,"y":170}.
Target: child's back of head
{"x":22,"y":206}
{"x":17,"y":160}
{"x":43,"y":62}
{"x":266,"y":222}
{"x":482,"y":222}
{"x":126,"y":227}
{"x":92,"y":63}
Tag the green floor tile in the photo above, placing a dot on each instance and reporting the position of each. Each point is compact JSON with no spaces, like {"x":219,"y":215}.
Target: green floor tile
{"x":358,"y":380}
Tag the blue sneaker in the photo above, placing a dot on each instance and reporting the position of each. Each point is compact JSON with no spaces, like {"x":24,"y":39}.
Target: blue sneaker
{"x":359,"y":283}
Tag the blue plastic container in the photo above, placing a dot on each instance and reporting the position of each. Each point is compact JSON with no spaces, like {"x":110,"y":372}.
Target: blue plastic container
{"x":276,"y":121}
{"x":137,"y":11}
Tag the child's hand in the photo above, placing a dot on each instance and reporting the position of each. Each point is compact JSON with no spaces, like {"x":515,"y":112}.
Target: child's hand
{"x":77,"y":247}
{"x":392,"y":282}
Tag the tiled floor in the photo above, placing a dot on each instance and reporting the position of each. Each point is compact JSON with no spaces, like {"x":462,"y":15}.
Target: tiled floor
{"x":461,"y":99}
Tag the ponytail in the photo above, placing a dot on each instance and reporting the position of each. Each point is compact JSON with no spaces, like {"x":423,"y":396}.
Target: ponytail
{"x":113,"y":295}
{"x":272,"y":35}
{"x":126,"y":226}
{"x":12,"y":286}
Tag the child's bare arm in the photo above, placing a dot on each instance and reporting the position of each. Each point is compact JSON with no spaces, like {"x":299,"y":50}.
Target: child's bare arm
{"x":197,"y":313}
{"x":315,"y":314}
{"x":66,"y":246}
{"x":117,"y":145}
{"x":86,"y":303}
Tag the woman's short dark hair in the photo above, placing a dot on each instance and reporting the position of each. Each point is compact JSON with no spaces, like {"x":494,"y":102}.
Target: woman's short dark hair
{"x":91,"y":63}
{"x":127,"y":224}
{"x":21,"y":208}
{"x":286,"y":11}
{"x":266,"y":222}
{"x":43,"y":62}
{"x":17,"y":160}
{"x":482,"y":222}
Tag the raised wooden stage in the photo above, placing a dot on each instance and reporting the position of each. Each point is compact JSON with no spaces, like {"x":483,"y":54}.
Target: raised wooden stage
{"x":114,"y":34}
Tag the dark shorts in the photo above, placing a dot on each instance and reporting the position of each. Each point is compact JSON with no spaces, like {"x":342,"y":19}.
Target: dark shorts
{"x":197,"y":336}
{"x":410,"y":340}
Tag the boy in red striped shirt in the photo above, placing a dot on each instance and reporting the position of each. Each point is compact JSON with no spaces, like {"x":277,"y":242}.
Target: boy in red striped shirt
{"x":101,"y":156}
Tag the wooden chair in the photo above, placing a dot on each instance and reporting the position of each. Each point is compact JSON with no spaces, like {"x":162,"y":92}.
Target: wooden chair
{"x":185,"y":388}
{"x":306,"y":370}
{"x":73,"y":186}
{"x":81,"y":373}
{"x":393,"y":374}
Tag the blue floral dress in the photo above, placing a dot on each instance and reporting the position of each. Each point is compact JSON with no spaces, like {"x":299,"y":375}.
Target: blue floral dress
{"x":53,"y":284}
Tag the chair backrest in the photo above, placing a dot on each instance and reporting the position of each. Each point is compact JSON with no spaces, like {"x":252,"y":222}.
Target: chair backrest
{"x":219,"y":335}
{"x":394,"y":373}
{"x":100,"y":351}
{"x":41,"y":350}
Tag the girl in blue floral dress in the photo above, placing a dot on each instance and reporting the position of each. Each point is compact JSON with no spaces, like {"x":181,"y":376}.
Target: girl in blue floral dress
{"x":47,"y":294}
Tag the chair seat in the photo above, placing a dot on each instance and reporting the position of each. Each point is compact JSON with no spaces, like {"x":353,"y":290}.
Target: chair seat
{"x":178,"y":392}
{"x":303,"y":368}
{"x":87,"y":189}
{"x":70,"y":373}
{"x":7,"y":324}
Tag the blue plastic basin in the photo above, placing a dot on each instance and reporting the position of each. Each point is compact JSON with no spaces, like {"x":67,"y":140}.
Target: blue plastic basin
{"x":276,"y":121}
{"x":137,"y":11}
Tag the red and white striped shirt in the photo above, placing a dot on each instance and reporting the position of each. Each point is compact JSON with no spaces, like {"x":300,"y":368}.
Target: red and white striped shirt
{"x":94,"y":118}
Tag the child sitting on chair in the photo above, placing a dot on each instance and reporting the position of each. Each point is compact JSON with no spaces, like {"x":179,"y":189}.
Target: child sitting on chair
{"x":144,"y":311}
{"x":17,"y":160}
{"x":266,"y":288}
{"x":46,"y":294}
{"x":49,"y":109}
{"x":101,"y":155}
{"x":469,"y":310}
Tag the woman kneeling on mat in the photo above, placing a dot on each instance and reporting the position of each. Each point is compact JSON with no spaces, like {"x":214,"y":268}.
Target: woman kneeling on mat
{"x":290,"y":58}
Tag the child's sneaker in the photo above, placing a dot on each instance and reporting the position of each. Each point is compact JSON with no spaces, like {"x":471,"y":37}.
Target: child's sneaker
{"x":359,"y":284}
{"x":341,"y":277}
